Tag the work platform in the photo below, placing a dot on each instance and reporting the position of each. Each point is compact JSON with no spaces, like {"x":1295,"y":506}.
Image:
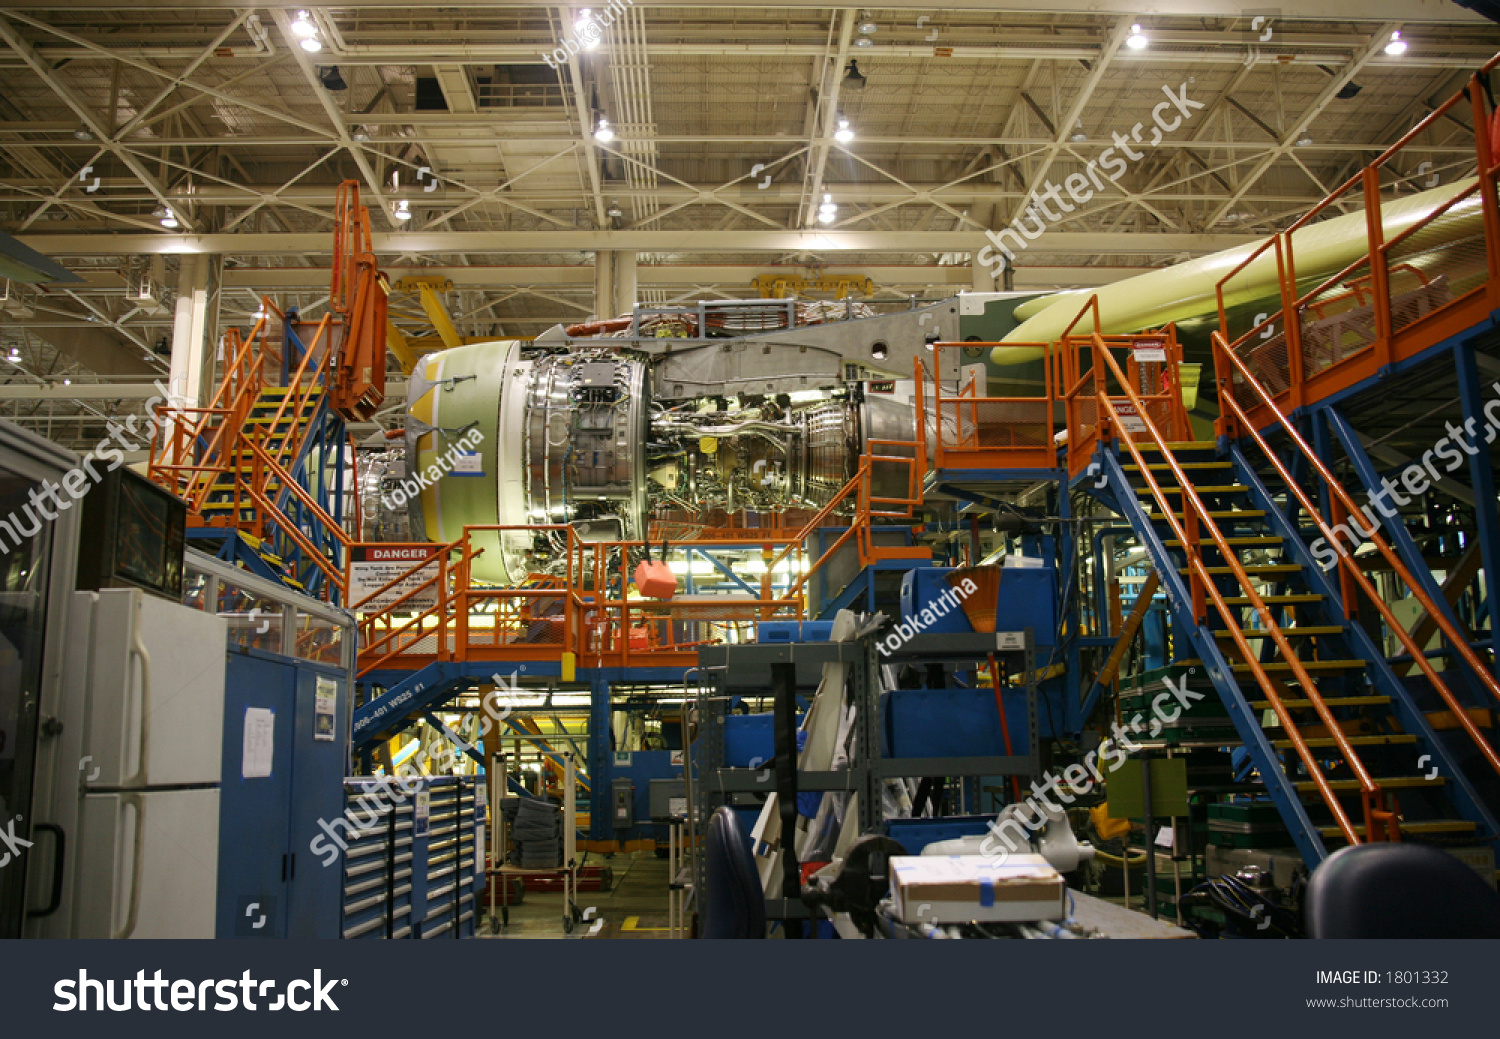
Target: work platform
{"x":1320,"y":662}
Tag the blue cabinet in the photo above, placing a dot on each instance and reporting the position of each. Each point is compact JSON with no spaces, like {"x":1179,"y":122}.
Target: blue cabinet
{"x":271,"y":884}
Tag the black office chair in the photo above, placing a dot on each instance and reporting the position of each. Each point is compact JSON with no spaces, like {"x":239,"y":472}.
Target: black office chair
{"x":1399,"y":891}
{"x":734,"y":905}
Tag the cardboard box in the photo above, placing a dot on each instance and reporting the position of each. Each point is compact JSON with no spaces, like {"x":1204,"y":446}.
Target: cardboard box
{"x":960,"y":888}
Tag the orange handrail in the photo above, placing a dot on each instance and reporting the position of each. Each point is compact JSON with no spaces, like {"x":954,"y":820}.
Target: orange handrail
{"x":1419,"y":656}
{"x":1388,"y":347}
{"x":1371,"y":794}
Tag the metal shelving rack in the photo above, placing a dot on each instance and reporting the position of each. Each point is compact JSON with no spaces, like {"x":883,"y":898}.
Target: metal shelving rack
{"x":752,"y":670}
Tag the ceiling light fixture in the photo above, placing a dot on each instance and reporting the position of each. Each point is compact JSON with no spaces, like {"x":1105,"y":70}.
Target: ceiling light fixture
{"x":1397,"y":46}
{"x":614,"y":212}
{"x":331,"y":78}
{"x":312,"y":45}
{"x":828,"y":210}
{"x":1078,"y":135}
{"x":302,"y":25}
{"x":853,"y":80}
{"x":1137,"y":40}
{"x":1304,"y":140}
{"x":584,"y":17}
{"x":168,"y":219}
{"x":843,"y":134}
{"x":867,"y":27}
{"x":360,"y":136}
{"x":83,"y":133}
{"x":403,"y":210}
{"x":602,"y":131}
{"x":863,"y":41}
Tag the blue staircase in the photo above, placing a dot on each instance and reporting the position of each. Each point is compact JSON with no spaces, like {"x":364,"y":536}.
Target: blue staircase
{"x":1419,"y":776}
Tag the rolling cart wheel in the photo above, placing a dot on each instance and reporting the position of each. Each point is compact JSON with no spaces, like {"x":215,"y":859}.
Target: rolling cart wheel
{"x":567,"y":924}
{"x":577,"y":915}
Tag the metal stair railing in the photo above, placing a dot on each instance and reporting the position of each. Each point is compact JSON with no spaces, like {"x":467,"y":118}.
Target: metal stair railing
{"x":1350,"y":570}
{"x":1379,"y":822}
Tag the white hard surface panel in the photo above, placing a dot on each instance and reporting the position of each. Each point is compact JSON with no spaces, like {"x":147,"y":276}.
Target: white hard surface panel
{"x":180,"y":864}
{"x":186,"y":700}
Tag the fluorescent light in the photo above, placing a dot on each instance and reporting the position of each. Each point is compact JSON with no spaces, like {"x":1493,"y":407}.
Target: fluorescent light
{"x":1397,"y":46}
{"x":843,"y":134}
{"x":1137,"y":40}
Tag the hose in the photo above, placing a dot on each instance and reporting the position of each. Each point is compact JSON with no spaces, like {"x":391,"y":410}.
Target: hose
{"x":1118,"y":860}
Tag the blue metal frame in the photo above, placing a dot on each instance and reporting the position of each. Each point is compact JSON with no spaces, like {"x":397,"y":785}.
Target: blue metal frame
{"x":1481,"y":476}
{"x":1283,"y":793}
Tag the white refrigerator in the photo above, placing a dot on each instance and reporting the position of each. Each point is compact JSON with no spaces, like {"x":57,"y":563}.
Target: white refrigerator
{"x":148,"y":677}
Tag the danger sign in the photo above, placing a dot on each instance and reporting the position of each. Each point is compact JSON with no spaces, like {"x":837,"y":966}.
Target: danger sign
{"x":373,"y":566}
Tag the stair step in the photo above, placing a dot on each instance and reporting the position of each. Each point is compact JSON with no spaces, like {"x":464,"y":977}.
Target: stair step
{"x":1253,"y":568}
{"x":1292,"y":632}
{"x":1424,"y":826}
{"x":1331,"y":701}
{"x":1218,"y":514}
{"x":1220,"y":488}
{"x":1178,"y":445}
{"x":1384,"y":782}
{"x":1131,"y":467}
{"x":1239,"y":542}
{"x":1282,"y":666}
{"x":1274,"y":600}
{"x":1326,"y":742}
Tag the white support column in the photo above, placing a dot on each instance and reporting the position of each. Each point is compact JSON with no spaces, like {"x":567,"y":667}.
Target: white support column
{"x":625,"y":283}
{"x":194,"y":331}
{"x":983,"y":277}
{"x":604,"y":284}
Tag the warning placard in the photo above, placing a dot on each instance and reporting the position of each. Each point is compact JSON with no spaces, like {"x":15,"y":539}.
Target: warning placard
{"x":1130,"y":419}
{"x":373,"y":566}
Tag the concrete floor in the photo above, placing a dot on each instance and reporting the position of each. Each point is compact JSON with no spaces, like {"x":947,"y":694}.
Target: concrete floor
{"x":634,"y":907}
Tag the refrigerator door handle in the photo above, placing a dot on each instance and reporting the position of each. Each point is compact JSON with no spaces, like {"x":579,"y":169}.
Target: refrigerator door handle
{"x":140,"y":861}
{"x":58,"y":857}
{"x":139,"y":651}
